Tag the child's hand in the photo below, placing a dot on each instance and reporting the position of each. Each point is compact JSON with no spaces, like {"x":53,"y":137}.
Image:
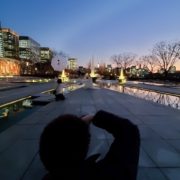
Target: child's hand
{"x":87,"y":118}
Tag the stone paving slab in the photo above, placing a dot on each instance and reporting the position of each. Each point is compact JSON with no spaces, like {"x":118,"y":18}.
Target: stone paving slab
{"x":175,"y":144}
{"x":145,"y":160}
{"x":171,"y":173}
{"x":170,"y":133}
{"x":148,"y":133}
{"x":159,"y":156}
{"x":151,"y":174}
{"x":11,"y":135}
{"x":36,"y":170}
{"x":16,"y":159}
{"x":162,"y":153}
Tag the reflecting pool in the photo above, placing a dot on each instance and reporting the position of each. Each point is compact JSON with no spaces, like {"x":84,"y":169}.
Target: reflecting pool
{"x":161,"y":98}
{"x":16,"y":111}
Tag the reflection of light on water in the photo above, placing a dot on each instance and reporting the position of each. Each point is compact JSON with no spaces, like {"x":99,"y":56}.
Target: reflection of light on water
{"x":27,"y":103}
{"x":14,"y":107}
{"x":165,"y":99}
{"x":4,"y":113}
{"x":15,"y":111}
{"x":121,"y":88}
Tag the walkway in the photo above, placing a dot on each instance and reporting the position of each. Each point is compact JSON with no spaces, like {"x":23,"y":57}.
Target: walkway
{"x":159,"y":127}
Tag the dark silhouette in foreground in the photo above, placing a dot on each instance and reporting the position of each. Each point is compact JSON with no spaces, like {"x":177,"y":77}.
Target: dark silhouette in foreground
{"x":64,"y":145}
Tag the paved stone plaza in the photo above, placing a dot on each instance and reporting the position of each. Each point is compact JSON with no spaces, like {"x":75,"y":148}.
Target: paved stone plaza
{"x":159,"y":128}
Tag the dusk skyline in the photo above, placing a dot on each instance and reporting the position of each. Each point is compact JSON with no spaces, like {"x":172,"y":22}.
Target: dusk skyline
{"x":94,"y":28}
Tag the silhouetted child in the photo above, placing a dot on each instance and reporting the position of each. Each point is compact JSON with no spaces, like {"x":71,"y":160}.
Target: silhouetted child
{"x":59,"y":91}
{"x":65,"y":141}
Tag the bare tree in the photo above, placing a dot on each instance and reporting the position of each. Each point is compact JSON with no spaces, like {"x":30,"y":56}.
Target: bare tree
{"x":149,"y":62}
{"x":124,"y":60}
{"x":167,"y":55}
{"x":102,"y":68}
{"x":61,"y":54}
{"x":115,"y":59}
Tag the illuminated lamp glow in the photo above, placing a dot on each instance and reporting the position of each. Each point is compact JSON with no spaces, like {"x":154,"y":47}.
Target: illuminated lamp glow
{"x":122,"y":78}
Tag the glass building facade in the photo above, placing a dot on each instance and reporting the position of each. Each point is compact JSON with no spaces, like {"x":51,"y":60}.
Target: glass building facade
{"x":46,"y":54}
{"x":20,"y":55}
{"x":29,"y":49}
{"x":29,"y":54}
{"x":9,"y":44}
{"x":72,"y":63}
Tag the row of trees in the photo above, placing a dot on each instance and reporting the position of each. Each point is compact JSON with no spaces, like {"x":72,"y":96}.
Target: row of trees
{"x":163,"y":57}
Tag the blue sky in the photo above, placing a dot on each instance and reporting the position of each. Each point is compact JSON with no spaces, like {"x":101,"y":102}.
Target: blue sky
{"x":94,"y":28}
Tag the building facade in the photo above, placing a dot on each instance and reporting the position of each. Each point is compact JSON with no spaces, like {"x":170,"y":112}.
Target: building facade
{"x":46,"y":54}
{"x":29,"y":49}
{"x":9,"y":44}
{"x":29,"y":54}
{"x":21,"y":55}
{"x":72,"y":63}
{"x":9,"y":67}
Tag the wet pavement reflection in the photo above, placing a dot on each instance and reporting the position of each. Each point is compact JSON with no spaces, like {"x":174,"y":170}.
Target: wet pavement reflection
{"x":13,"y":113}
{"x":161,"y":98}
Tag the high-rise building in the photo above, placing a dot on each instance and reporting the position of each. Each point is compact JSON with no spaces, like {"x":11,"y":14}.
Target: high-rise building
{"x":9,"y":44}
{"x":45,"y":54}
{"x":29,"y":49}
{"x":72,"y":63}
{"x":109,"y":67}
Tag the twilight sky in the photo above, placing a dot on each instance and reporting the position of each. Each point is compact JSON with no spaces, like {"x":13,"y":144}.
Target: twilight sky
{"x":94,"y":28}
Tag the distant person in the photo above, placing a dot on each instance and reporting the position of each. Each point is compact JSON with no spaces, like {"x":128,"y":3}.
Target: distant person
{"x":65,"y":141}
{"x":59,"y":91}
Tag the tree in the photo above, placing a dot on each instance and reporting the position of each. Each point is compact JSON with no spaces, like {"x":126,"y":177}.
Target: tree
{"x":59,"y":53}
{"x":102,"y":69}
{"x":59,"y":61}
{"x":167,"y":54}
{"x":149,"y":62}
{"x":124,"y":60}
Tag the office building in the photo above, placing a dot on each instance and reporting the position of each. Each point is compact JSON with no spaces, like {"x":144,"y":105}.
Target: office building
{"x":9,"y":52}
{"x":9,"y":44}
{"x":109,"y":67}
{"x":29,"y":49}
{"x":72,"y":63}
{"x":45,"y":54}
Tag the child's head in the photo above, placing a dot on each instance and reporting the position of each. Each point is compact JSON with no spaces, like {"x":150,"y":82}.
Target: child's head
{"x":64,"y":143}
